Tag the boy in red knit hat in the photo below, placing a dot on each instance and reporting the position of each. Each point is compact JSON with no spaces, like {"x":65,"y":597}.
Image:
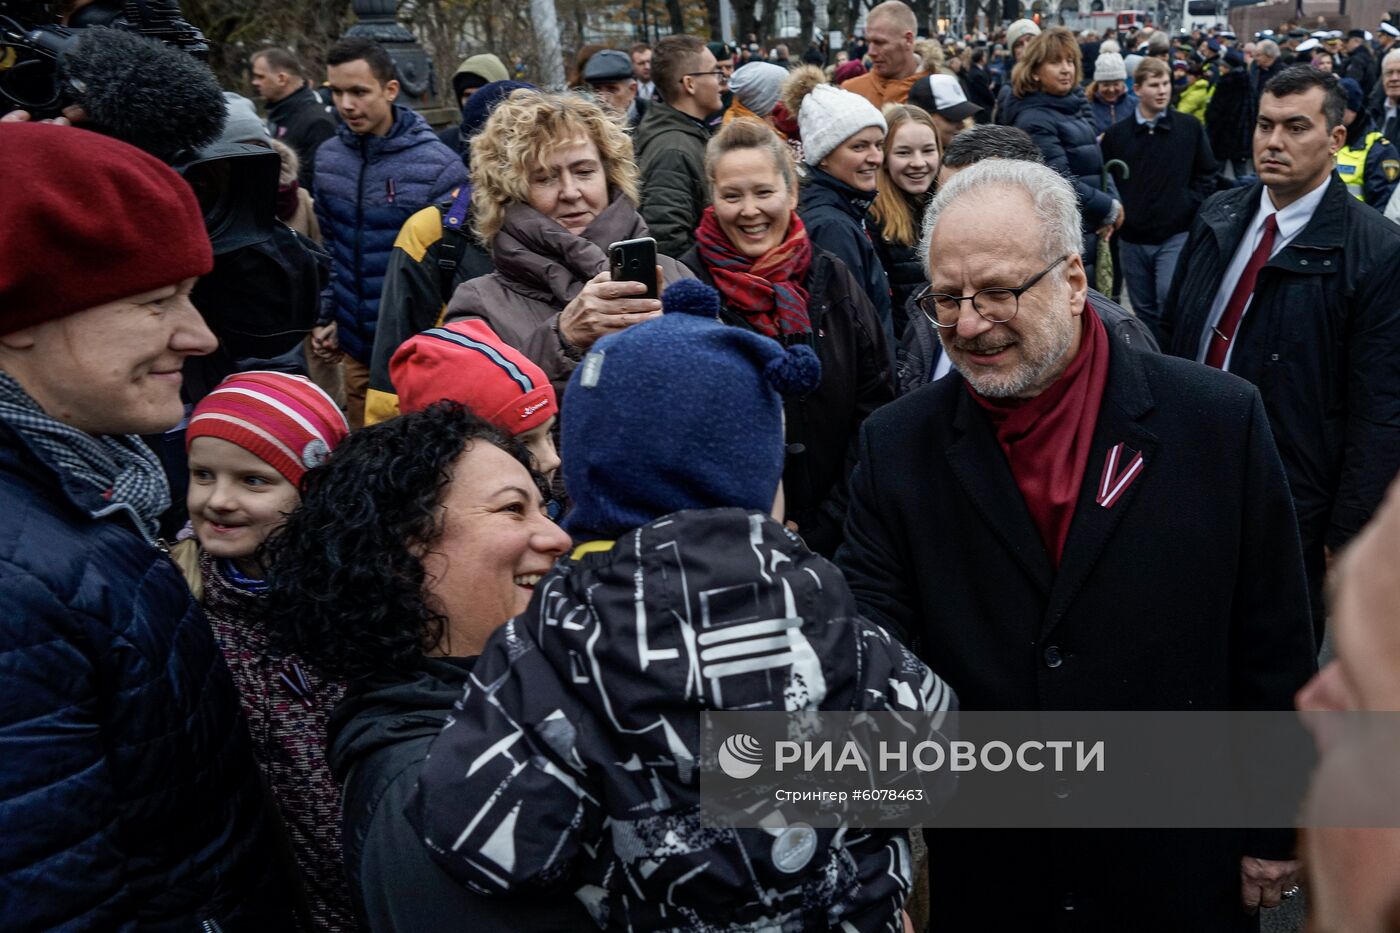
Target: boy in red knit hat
{"x":250,"y":442}
{"x":467,"y":363}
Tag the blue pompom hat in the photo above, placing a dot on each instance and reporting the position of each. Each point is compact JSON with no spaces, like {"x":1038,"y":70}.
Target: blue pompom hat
{"x":681,"y":412}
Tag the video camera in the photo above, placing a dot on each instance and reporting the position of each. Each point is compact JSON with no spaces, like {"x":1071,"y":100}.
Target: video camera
{"x":32,"y":44}
{"x":137,"y":69}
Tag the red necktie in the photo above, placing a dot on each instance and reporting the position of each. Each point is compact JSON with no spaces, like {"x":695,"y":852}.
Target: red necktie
{"x":1224,"y":332}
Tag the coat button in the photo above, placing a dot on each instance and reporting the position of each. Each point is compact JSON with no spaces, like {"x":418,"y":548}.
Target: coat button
{"x":1302,"y":262}
{"x":1053,"y":657}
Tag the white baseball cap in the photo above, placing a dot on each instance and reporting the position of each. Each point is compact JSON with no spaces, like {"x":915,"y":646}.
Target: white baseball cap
{"x":943,"y":95}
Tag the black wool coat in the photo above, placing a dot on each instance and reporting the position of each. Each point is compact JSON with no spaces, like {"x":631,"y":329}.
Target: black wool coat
{"x":1321,"y":340}
{"x":1187,"y":593}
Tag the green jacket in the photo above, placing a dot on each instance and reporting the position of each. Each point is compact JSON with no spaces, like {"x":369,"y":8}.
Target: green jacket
{"x":1195,"y":98}
{"x":671,"y":155}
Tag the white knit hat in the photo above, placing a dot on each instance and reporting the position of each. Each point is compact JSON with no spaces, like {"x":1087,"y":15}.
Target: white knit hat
{"x":757,"y":85}
{"x":1109,"y":67}
{"x":1022,"y":27}
{"x":829,"y":116}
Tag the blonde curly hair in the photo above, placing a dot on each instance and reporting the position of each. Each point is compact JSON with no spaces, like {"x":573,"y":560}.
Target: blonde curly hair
{"x":522,"y":133}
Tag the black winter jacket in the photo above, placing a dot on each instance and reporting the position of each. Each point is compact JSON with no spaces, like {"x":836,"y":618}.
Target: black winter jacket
{"x":1063,"y":128}
{"x":1171,"y":172}
{"x":821,"y":428}
{"x":1229,"y":117}
{"x":921,"y":349}
{"x":904,"y":269}
{"x":300,"y":120}
{"x":1320,"y":339}
{"x":671,"y":159}
{"x":835,"y":216}
{"x":377,"y":740}
{"x":129,"y":796}
{"x":580,"y":729}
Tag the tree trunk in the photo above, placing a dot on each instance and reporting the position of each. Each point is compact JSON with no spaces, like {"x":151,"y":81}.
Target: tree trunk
{"x":715,"y":20}
{"x":768,"y":29}
{"x":677,"y":16}
{"x":807,"y":13}
{"x":745,"y":20}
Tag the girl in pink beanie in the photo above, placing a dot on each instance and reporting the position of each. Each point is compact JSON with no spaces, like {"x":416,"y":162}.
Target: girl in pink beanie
{"x":249,"y":444}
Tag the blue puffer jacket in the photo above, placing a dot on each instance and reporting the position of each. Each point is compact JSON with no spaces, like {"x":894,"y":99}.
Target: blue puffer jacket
{"x":1063,"y":129}
{"x":366,"y":188}
{"x":129,"y":797}
{"x":1106,"y":114}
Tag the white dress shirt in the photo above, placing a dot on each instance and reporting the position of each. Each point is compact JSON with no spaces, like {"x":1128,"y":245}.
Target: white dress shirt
{"x":1291,"y":221}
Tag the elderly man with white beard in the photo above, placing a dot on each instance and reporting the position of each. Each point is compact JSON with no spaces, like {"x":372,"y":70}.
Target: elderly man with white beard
{"x":1066,"y":523}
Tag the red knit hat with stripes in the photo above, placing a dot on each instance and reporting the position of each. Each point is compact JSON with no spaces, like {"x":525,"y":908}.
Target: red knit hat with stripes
{"x":467,"y":363}
{"x":286,"y":421}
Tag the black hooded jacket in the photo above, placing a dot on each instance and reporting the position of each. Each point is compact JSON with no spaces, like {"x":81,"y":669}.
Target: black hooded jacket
{"x":377,"y":740}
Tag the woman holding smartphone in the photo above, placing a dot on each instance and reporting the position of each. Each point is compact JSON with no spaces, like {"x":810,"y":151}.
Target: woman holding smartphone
{"x":555,"y":185}
{"x":772,"y":279}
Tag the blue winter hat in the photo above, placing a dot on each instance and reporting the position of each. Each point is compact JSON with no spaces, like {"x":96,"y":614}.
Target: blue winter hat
{"x":680,"y":412}
{"x":477,"y":110}
{"x":1356,"y":98}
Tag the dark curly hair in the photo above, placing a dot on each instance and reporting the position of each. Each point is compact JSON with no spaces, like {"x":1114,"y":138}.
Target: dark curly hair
{"x":345,"y":573}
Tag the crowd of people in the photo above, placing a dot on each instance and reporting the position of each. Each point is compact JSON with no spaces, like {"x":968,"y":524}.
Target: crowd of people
{"x":997,"y":374}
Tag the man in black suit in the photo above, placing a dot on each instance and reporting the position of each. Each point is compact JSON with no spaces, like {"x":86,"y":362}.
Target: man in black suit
{"x":1066,"y":523}
{"x":1294,"y":284}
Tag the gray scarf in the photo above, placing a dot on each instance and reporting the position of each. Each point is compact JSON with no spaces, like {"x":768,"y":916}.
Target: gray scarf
{"x":122,"y":470}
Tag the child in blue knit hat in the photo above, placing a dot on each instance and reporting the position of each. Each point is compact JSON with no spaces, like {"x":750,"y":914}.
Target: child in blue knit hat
{"x":572,"y":760}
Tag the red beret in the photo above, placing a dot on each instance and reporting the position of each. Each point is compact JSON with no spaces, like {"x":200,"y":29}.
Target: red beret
{"x":86,"y":220}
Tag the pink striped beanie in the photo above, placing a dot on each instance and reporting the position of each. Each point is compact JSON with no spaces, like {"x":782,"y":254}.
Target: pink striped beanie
{"x":287,"y":421}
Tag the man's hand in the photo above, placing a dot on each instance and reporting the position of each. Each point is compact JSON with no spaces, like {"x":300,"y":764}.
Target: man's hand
{"x":325,"y":343}
{"x":1263,"y":881}
{"x":71,"y":114}
{"x":603,"y":308}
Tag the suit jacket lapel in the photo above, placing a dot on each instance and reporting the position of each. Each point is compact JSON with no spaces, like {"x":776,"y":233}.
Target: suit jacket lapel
{"x":980,"y":466}
{"x":1126,"y":400}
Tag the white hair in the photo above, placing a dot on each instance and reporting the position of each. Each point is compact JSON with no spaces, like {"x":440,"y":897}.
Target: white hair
{"x":1392,"y":55}
{"x":1052,"y":198}
{"x":1267,"y":47}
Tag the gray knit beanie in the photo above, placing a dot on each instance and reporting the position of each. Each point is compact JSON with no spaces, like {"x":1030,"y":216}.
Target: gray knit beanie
{"x":757,"y":84}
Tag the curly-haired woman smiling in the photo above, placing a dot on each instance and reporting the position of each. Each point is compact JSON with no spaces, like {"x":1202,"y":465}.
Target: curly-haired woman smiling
{"x":416,"y":540}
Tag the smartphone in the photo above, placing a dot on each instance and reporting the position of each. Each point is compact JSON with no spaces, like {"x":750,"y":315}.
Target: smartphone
{"x":635,"y":261}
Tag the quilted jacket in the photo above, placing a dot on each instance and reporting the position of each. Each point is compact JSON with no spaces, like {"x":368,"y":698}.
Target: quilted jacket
{"x":1063,"y":128}
{"x":129,"y":797}
{"x":366,"y":188}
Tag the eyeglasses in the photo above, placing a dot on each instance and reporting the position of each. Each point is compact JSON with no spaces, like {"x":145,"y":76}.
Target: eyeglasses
{"x":995,"y":305}
{"x":717,"y":74}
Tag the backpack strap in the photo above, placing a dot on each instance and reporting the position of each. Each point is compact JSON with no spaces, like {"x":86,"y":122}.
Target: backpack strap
{"x":454,"y":240}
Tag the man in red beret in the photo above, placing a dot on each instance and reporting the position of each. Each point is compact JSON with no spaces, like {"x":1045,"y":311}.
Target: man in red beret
{"x":129,"y":797}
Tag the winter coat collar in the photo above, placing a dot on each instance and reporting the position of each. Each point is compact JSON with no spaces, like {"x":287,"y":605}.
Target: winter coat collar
{"x":1229,"y":216}
{"x":1073,"y":104}
{"x":827,"y":189}
{"x":663,"y":118}
{"x":383,"y":710}
{"x":301,"y":98}
{"x":409,"y":130}
{"x":542,"y":261}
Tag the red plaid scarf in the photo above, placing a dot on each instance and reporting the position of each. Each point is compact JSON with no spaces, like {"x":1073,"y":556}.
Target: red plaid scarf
{"x":767,"y":291}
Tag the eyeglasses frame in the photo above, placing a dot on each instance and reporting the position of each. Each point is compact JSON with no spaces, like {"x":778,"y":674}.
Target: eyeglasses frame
{"x":1016,"y":293}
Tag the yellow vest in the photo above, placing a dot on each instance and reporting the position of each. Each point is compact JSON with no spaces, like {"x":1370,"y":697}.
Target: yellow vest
{"x":1351,"y":165}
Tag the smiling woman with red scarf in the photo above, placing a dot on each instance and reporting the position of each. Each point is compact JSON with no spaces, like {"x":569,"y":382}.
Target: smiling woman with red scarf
{"x":752,"y":247}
